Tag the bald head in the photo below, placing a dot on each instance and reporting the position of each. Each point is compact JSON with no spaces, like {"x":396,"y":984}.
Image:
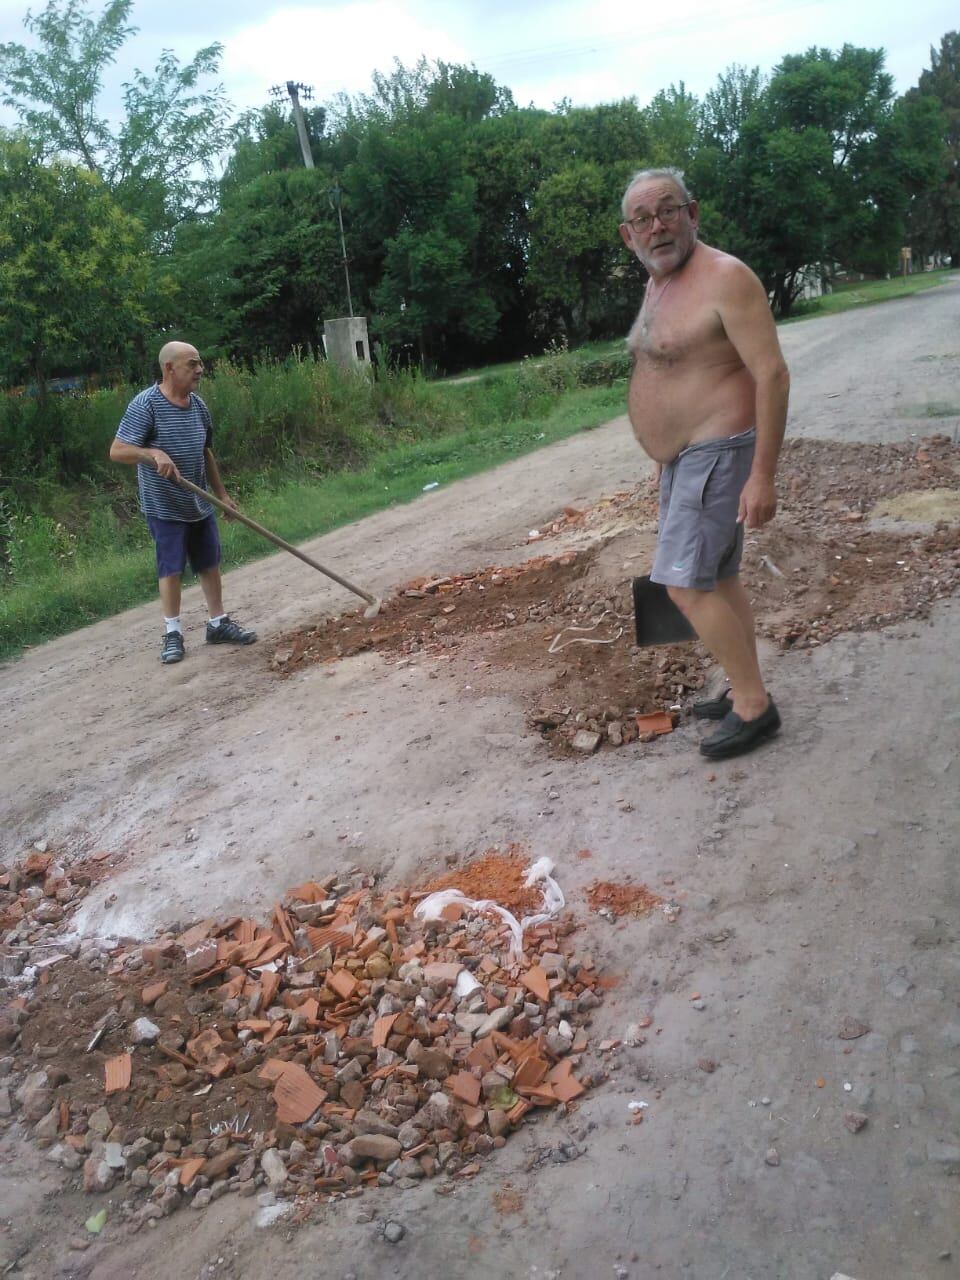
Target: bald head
{"x":181,"y":370}
{"x":172,"y":351}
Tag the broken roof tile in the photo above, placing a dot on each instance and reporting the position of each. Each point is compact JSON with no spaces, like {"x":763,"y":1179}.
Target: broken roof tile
{"x":297,"y":1095}
{"x":117,"y":1073}
{"x":536,"y":981}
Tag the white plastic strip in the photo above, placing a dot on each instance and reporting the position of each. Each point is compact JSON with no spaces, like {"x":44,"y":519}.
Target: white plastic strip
{"x":555,"y":648}
{"x":431,"y":908}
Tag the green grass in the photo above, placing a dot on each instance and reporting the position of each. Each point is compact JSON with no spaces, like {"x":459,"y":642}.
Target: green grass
{"x":589,"y":351}
{"x":94,"y":582}
{"x":848,"y":297}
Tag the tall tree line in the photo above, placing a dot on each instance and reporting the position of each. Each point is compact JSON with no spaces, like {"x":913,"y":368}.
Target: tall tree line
{"x":475,"y":229}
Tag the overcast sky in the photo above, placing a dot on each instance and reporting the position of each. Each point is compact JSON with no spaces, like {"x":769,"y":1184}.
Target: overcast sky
{"x":543,"y":50}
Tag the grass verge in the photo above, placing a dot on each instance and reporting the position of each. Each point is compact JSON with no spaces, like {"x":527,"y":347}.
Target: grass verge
{"x":849,"y":297}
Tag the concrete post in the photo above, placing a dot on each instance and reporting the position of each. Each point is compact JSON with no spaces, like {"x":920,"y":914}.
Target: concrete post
{"x":346,"y":342}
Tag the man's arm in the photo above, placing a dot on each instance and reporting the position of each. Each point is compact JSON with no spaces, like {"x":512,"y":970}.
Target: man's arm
{"x":214,"y":481}
{"x":748,"y":321}
{"x":131,"y":454}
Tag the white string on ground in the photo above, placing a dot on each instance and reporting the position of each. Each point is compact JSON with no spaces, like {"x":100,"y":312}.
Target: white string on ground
{"x":555,"y":648}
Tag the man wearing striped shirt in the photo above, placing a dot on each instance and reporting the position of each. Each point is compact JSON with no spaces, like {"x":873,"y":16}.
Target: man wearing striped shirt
{"x":167,"y":432}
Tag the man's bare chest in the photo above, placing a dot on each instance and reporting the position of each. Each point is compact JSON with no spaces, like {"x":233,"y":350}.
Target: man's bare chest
{"x":679,"y":335}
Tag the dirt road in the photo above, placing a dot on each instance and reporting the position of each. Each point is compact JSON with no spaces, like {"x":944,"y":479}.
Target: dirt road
{"x":818,"y":879}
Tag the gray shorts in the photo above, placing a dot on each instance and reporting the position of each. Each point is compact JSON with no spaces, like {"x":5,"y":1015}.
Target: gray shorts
{"x":699,"y":540}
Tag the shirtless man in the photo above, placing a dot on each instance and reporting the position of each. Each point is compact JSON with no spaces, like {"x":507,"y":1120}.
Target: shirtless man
{"x":708,"y":402}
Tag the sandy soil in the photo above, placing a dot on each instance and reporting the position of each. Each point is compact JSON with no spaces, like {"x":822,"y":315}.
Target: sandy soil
{"x":818,"y":879}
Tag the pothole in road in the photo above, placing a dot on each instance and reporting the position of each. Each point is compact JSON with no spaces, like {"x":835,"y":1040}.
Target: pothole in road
{"x":818,"y":570}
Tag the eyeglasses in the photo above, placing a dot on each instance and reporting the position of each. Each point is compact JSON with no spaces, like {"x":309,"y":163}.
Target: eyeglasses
{"x":667,"y":213}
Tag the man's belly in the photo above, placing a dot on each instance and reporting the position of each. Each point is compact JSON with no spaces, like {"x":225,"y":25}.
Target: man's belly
{"x":671,"y":409}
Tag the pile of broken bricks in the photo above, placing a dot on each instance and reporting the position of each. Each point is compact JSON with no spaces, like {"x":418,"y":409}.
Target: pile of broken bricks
{"x":345,"y":1044}
{"x":38,"y":895}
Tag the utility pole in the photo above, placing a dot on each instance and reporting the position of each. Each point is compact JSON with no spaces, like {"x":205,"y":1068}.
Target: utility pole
{"x":336,"y":199}
{"x":344,"y":338}
{"x":295,"y":89}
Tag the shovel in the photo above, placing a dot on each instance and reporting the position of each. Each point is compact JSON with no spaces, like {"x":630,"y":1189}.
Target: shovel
{"x":372,"y":601}
{"x":658,"y":620}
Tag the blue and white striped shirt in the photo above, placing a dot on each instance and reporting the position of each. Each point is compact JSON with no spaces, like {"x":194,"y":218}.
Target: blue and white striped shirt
{"x":153,"y":422}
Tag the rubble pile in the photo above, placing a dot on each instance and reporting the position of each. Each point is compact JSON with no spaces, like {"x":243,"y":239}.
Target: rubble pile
{"x":661,"y":682}
{"x":345,"y":1043}
{"x":37,"y":898}
{"x":831,"y":562}
{"x":497,"y":875}
{"x":430,"y":615}
{"x":600,"y":514}
{"x":823,"y":569}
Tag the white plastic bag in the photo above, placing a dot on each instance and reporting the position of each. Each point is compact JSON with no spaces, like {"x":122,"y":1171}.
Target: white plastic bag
{"x":431,"y":908}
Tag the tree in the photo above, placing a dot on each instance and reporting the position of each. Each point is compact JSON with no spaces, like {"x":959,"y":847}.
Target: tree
{"x":791,"y":208}
{"x":414,"y":213}
{"x":935,"y":213}
{"x":814,"y":168}
{"x":505,"y":159}
{"x":265,"y":141}
{"x":281,"y":258}
{"x":411,"y":208}
{"x":727,"y":108}
{"x":159,"y":162}
{"x":73,"y":271}
{"x":573,"y":251}
{"x":613,"y":135}
{"x":409,"y":93}
{"x":672,"y":120}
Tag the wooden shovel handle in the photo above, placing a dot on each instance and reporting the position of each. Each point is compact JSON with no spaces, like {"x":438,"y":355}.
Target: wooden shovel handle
{"x":277,"y":541}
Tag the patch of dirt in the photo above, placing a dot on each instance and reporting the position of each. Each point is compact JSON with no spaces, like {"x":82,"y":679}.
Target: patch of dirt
{"x":508,"y":1200}
{"x":925,"y":506}
{"x":622,"y":899}
{"x":818,"y":570}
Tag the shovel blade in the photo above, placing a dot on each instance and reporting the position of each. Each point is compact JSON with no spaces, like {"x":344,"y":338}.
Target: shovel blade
{"x":658,"y":620}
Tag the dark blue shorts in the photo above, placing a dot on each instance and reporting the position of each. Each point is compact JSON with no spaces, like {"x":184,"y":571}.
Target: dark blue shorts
{"x":179,"y":541}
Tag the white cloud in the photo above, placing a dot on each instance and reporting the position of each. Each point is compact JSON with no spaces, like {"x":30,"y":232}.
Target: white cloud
{"x":543,"y":50}
{"x":331,"y":49}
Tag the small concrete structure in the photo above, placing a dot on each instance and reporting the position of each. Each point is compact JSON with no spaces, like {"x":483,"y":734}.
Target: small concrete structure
{"x":345,"y":341}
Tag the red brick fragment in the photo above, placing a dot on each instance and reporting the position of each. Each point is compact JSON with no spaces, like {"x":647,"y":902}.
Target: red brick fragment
{"x":190,"y":1168}
{"x":117,"y":1073}
{"x":466,"y":1087}
{"x":342,"y":983}
{"x":530,"y":1072}
{"x":382,"y":1028}
{"x":535,"y":980}
{"x":473,"y":1118}
{"x":297,"y":1095}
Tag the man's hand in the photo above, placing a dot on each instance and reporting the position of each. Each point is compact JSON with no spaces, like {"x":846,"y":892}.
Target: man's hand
{"x":758,"y":502}
{"x":227,"y":502}
{"x":165,"y":464}
{"x":657,"y":473}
